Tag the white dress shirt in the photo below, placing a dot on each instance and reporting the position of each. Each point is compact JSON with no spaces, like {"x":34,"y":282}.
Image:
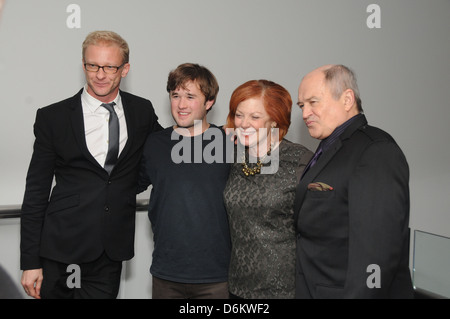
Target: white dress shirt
{"x":96,"y":126}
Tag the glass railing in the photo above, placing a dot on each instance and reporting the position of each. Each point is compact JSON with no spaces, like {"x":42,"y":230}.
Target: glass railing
{"x":431,"y":263}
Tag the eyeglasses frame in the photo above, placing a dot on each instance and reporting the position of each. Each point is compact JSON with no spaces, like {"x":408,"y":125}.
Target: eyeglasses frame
{"x":104,"y":66}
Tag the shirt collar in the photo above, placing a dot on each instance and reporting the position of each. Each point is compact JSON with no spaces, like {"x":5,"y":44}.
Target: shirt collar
{"x":92,"y":104}
{"x":326,"y":143}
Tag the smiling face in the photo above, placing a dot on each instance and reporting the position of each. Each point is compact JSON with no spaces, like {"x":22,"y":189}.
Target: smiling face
{"x":102,"y":86}
{"x":189,"y":105}
{"x":253,"y":125}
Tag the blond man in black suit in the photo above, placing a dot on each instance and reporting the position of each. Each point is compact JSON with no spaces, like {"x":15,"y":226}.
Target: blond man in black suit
{"x":87,"y":220}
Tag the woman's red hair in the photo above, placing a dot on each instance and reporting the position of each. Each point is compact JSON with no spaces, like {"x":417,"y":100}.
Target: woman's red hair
{"x":276,"y":99}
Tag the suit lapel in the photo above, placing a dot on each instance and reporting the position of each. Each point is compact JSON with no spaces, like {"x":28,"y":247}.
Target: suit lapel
{"x":77,"y":122}
{"x":129,"y":118}
{"x":323,"y":161}
{"x":312,"y":173}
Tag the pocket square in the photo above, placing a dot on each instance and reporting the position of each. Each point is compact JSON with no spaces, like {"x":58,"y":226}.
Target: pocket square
{"x":319,"y":187}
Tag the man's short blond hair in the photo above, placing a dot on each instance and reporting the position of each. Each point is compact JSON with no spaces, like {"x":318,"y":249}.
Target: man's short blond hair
{"x":108,"y":38}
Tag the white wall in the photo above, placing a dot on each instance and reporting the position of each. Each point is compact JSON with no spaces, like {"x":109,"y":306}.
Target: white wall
{"x":403,"y":68}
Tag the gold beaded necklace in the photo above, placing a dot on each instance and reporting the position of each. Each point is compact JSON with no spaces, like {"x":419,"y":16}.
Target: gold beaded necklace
{"x":255,"y":170}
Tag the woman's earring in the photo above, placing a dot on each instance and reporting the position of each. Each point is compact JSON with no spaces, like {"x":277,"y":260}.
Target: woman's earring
{"x":273,"y":127}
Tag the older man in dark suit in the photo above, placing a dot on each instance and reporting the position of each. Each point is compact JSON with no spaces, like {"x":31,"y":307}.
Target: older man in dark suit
{"x":90,"y":145}
{"x":352,"y":203}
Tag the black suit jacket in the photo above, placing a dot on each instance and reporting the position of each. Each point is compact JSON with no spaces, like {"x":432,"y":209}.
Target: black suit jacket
{"x":88,"y":211}
{"x":360,"y":224}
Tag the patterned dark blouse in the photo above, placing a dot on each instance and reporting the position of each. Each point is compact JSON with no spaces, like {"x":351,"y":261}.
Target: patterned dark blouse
{"x":260,"y":212}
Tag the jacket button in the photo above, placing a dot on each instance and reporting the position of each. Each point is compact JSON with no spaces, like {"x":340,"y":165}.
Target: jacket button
{"x":106,"y":209}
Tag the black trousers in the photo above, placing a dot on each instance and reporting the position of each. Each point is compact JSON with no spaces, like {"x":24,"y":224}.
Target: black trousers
{"x":164,"y":289}
{"x":99,"y":279}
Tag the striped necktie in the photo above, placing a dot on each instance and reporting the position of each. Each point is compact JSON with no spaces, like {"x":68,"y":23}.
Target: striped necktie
{"x":313,"y":161}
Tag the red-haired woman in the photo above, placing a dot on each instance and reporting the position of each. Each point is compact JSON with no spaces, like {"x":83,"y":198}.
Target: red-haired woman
{"x":260,"y":191}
